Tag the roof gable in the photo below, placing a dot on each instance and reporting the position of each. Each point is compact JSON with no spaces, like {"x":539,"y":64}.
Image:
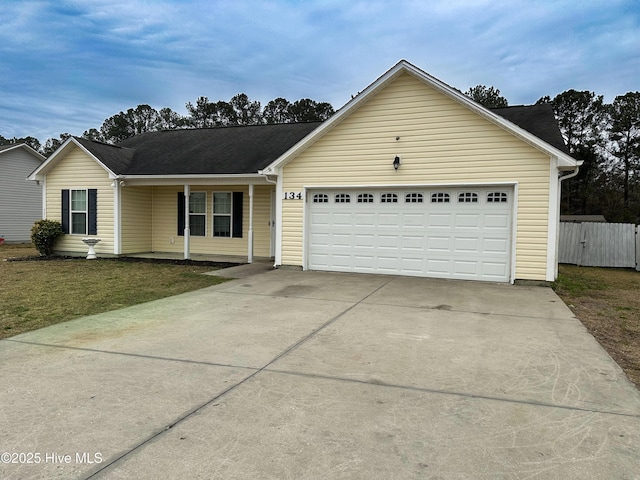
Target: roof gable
{"x":517,"y":124}
{"x":103,"y":154}
{"x":115,"y":158}
{"x":22,"y":146}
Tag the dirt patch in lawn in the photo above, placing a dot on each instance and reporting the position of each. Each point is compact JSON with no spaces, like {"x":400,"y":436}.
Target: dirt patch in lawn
{"x":607,"y":302}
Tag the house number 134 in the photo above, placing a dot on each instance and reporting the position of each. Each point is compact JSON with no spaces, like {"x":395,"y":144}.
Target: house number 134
{"x":293,"y":195}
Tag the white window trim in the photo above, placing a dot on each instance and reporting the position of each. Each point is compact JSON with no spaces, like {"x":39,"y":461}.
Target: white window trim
{"x":214,"y":214}
{"x":85,"y":211}
{"x":199,"y":214}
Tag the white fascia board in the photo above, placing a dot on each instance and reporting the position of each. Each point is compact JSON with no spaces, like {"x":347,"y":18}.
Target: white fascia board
{"x":42,"y":170}
{"x":204,"y":179}
{"x":564,"y":160}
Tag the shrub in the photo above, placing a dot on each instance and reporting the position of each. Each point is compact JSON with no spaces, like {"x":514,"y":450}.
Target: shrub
{"x":44,"y":234}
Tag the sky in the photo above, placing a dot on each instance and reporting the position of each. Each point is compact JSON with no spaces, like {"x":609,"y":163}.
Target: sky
{"x":67,"y":65}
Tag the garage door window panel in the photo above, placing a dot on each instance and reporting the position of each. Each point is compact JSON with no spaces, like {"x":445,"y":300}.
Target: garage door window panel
{"x":389,"y":198}
{"x":467,"y":197}
{"x":365,"y":198}
{"x":413,"y":198}
{"x":497,"y":197}
{"x":440,"y":197}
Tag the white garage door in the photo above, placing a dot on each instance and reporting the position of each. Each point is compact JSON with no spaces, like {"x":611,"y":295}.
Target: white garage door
{"x":462,"y":233}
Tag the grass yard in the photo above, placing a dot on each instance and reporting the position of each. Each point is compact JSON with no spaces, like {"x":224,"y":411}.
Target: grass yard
{"x":607,"y":301}
{"x":36,"y":293}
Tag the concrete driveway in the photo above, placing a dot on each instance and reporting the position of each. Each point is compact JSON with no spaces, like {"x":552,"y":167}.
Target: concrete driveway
{"x":305,"y":375}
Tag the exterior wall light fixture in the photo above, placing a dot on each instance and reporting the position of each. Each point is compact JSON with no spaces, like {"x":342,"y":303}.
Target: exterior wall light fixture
{"x":396,"y":163}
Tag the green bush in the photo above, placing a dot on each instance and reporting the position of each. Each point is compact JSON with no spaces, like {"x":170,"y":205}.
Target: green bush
{"x":44,"y":234}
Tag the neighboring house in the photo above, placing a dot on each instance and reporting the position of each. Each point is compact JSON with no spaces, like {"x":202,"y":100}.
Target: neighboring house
{"x":410,"y":177}
{"x":20,"y":200}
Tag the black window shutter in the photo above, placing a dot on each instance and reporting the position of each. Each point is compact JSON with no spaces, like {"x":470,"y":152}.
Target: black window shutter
{"x":237,"y":215}
{"x":181,"y":214}
{"x":65,"y":211}
{"x":92,"y":205}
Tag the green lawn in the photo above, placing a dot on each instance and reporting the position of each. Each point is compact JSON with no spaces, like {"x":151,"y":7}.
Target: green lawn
{"x":36,"y":293}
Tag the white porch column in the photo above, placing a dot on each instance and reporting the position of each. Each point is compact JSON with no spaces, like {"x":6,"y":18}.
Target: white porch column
{"x":187,"y":250}
{"x":250,"y":239}
{"x":117,"y":216}
{"x":278,"y":259}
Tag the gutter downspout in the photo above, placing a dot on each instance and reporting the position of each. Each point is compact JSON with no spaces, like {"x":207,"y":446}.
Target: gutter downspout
{"x":561,"y":179}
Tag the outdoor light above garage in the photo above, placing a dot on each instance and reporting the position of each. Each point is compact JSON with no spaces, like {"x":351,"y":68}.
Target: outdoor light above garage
{"x":396,"y":162}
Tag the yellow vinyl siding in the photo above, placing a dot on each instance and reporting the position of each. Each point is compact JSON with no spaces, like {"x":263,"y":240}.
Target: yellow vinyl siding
{"x":77,"y":170}
{"x":136,"y":207}
{"x":440,"y":142}
{"x":165,"y":236}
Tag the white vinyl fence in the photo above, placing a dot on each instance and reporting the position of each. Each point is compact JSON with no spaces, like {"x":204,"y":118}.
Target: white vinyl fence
{"x":600,"y":244}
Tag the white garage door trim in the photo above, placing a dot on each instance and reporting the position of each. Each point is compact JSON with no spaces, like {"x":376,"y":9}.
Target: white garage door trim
{"x":461,"y":232}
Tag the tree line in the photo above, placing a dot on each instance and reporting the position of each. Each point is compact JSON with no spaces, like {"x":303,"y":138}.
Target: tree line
{"x":239,"y":110}
{"x":606,"y":136}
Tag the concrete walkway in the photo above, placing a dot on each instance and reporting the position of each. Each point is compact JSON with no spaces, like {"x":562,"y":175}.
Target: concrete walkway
{"x":287,"y":374}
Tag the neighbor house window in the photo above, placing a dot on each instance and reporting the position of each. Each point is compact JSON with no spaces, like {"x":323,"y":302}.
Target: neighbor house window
{"x":198,"y":214}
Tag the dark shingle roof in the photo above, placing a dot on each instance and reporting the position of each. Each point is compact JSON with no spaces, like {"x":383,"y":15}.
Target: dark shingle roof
{"x":536,"y":119}
{"x":227,"y":150}
{"x":114,"y":157}
{"x":247,"y":149}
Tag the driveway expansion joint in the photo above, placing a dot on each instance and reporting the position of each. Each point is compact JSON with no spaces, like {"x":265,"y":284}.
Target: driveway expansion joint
{"x":436,"y":391}
{"x":211,"y":401}
{"x":129,"y":354}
